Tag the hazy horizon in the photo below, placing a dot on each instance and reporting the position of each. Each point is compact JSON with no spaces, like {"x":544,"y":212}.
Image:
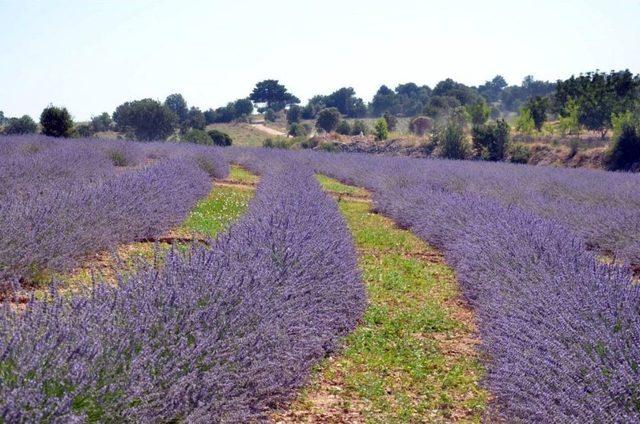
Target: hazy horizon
{"x":215,"y":52}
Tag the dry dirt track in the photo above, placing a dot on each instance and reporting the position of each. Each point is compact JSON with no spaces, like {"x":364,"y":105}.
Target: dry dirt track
{"x":268,"y":130}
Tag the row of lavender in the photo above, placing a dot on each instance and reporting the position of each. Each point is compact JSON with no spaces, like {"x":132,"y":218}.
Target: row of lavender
{"x":561,"y":329}
{"x":219,"y":335}
{"x":61,"y":200}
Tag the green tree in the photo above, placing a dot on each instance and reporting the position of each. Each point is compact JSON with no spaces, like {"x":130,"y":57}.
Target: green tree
{"x":294,"y":113}
{"x":22,"y":125}
{"x":273,"y":94}
{"x":243,"y":108}
{"x":569,"y":124}
{"x":381,"y":130}
{"x":195,"y":119}
{"x":328,"y":119}
{"x":538,"y":107}
{"x":101,"y":122}
{"x":478,"y":112}
{"x":491,"y":140}
{"x":56,"y":122}
{"x":385,"y":100}
{"x":2,"y":118}
{"x":177,"y":104}
{"x":145,"y":119}
{"x":524,"y":123}
{"x":220,"y":138}
{"x":452,"y":142}
{"x":346,"y":102}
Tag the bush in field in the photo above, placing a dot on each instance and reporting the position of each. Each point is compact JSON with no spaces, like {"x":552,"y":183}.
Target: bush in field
{"x":491,"y":140}
{"x":624,"y":153}
{"x":359,"y":128}
{"x":83,"y":130}
{"x":279,"y":142}
{"x":101,"y":122}
{"x":538,"y":107}
{"x":146,"y":119}
{"x":569,"y":122}
{"x":344,"y":128}
{"x":380,"y":129}
{"x":519,"y":153}
{"x":525,"y":123}
{"x":56,"y":122}
{"x":328,"y":119}
{"x":420,"y":125}
{"x":198,"y":137}
{"x":392,"y":121}
{"x":22,"y":125}
{"x":452,"y":142}
{"x":297,"y":130}
{"x":478,"y":112}
{"x":220,"y":138}
{"x":294,"y":114}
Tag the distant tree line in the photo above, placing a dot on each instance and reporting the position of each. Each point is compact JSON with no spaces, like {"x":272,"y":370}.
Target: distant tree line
{"x":595,"y":101}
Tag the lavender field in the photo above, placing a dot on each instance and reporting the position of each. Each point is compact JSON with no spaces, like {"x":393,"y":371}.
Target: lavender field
{"x":231,"y":329}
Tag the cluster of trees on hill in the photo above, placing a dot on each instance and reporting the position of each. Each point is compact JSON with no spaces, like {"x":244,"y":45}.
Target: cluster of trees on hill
{"x":596,"y":101}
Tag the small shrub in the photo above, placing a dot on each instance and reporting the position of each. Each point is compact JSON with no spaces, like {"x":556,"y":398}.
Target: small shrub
{"x":420,"y":125}
{"x":329,"y":146}
{"x":452,"y":142}
{"x":197,"y":136}
{"x":297,"y":130}
{"x":519,"y":153}
{"x":525,"y":123}
{"x":310,"y":143}
{"x":279,"y":142}
{"x":490,"y":141}
{"x":574,"y":146}
{"x":328,"y":119}
{"x":392,"y":121}
{"x":119,"y":157}
{"x":343,"y":128}
{"x":381,"y":130}
{"x":83,"y":130}
{"x":359,"y":128}
{"x":220,"y":138}
{"x":624,"y":153}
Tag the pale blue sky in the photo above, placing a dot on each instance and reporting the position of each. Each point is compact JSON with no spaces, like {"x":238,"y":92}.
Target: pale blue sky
{"x":91,"y":56}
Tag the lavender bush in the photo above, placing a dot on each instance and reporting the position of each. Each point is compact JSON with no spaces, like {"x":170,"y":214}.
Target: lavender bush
{"x":61,"y":200}
{"x":561,"y":329}
{"x":219,"y":335}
